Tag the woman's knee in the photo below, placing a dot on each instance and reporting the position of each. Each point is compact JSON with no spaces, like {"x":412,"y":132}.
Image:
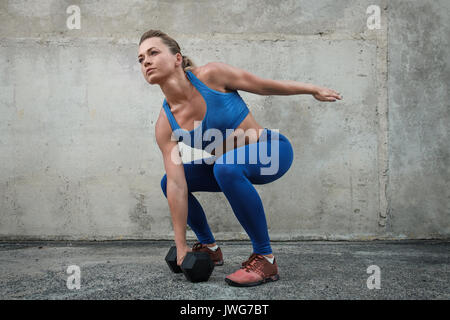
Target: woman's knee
{"x":164,"y":184}
{"x":289,"y":154}
{"x":286,"y":158}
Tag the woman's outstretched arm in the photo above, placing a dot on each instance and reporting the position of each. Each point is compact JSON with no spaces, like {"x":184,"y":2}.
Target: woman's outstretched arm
{"x":233,"y":78}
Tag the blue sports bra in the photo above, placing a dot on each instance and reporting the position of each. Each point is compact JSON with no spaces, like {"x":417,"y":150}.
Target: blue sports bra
{"x":224,"y":112}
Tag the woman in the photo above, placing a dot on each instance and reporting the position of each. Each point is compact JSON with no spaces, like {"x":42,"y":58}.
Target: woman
{"x":199,"y":100}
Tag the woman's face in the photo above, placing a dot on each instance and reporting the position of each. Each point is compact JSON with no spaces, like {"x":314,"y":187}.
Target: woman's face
{"x":154,"y":54}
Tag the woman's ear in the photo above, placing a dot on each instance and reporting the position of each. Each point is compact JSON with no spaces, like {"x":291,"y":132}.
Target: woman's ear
{"x":179,"y":60}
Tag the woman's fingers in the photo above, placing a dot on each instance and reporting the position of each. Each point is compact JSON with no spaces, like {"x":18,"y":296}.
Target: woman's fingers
{"x":337,"y":95}
{"x":328,"y":95}
{"x":331,"y":96}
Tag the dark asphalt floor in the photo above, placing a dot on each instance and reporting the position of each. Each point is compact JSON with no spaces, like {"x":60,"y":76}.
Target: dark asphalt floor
{"x":308,"y":270}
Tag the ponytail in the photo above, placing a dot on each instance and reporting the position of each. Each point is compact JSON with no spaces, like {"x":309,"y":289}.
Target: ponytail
{"x":187,"y":63}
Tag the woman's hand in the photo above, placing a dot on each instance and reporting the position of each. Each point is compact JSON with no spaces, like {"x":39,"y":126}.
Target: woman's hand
{"x":325,"y":94}
{"x":181,"y":253}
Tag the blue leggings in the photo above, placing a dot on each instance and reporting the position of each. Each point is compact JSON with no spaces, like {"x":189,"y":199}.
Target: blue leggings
{"x":234,"y":174}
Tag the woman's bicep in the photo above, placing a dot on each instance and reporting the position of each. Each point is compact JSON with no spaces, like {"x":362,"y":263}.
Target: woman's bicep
{"x":234,"y":78}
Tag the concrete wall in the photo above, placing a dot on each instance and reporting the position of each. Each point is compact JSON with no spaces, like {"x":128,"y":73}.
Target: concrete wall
{"x":78,"y":156}
{"x":419,"y":119}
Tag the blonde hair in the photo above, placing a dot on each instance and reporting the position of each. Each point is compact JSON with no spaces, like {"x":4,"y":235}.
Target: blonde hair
{"x":173,"y":46}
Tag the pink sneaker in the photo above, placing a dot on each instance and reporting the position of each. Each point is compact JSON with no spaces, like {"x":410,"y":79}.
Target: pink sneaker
{"x":255,"y":271}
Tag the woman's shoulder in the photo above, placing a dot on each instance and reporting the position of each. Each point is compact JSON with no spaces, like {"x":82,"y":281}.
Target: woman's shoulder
{"x":209,"y":74}
{"x":201,"y":72}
